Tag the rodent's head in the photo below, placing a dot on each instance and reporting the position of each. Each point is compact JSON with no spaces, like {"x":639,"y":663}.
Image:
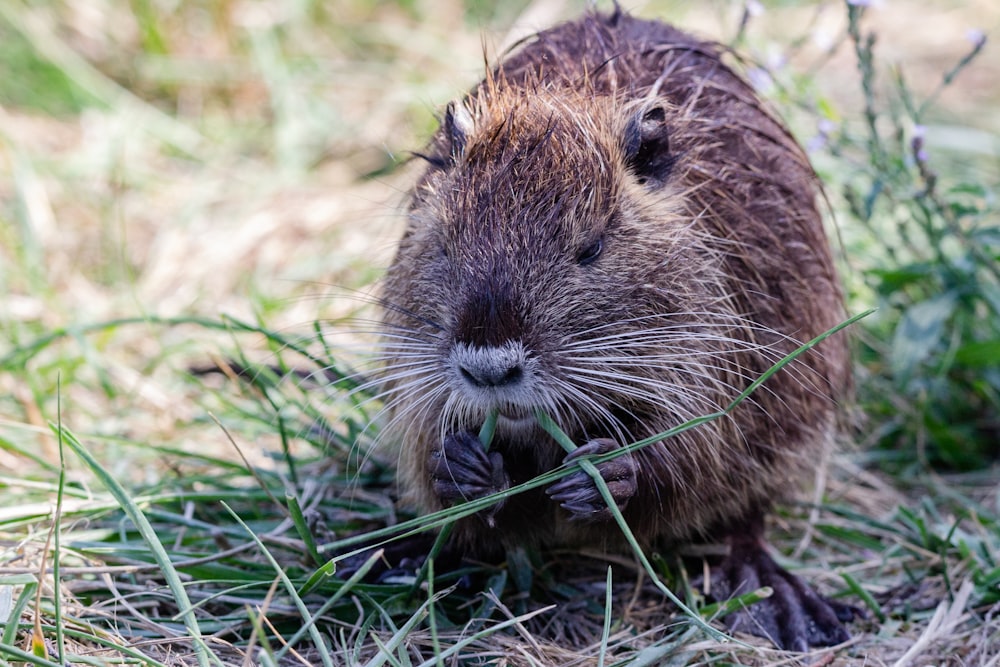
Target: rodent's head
{"x":548,"y":254}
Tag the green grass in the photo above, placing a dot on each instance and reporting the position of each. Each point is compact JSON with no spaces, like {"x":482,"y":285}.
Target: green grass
{"x":224,"y":181}
{"x":34,"y":83}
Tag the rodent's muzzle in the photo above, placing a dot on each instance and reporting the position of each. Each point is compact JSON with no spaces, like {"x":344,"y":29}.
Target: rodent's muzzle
{"x":495,"y":377}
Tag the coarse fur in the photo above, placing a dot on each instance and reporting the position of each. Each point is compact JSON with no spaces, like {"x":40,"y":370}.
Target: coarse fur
{"x":614,"y":229}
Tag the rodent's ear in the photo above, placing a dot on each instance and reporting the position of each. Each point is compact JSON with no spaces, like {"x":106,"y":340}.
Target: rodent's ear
{"x":458,"y":125}
{"x":647,"y":145}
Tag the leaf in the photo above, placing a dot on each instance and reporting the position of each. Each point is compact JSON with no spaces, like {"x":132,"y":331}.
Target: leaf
{"x":979,"y":354}
{"x":827,"y":109}
{"x":919,"y":332}
{"x":988,"y":584}
{"x":892,"y":280}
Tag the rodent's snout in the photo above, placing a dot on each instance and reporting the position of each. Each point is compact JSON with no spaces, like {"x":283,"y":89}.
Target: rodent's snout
{"x":490,"y":375}
{"x":493,"y":375}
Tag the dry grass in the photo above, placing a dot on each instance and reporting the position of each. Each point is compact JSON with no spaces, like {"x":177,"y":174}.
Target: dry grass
{"x":227,"y":174}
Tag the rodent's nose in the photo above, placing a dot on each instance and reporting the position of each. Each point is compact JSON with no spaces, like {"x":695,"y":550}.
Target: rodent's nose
{"x":491,"y":376}
{"x":490,"y":366}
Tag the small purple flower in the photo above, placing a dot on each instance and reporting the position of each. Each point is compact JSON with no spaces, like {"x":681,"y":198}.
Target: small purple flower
{"x":816,"y":143}
{"x":976,"y":37}
{"x":776,"y":60}
{"x":917,"y":143}
{"x":760,"y":79}
{"x":823,"y":129}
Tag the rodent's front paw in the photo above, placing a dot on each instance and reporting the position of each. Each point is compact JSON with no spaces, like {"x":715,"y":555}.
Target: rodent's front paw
{"x":578,"y":494}
{"x":462,"y":469}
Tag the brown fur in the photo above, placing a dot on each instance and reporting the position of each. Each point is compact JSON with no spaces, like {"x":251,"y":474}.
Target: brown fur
{"x":704,"y":280}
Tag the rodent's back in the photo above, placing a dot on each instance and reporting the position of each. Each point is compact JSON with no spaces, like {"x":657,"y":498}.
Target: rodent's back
{"x":613,"y":215}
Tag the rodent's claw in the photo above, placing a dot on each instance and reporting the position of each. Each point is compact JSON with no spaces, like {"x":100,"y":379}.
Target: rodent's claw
{"x":578,"y":494}
{"x":461,"y":469}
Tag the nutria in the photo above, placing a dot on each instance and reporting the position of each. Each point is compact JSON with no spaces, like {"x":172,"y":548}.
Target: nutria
{"x":614,"y":230}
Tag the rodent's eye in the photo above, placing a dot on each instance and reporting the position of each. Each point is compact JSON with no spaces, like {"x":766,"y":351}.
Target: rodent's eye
{"x":591,"y":252}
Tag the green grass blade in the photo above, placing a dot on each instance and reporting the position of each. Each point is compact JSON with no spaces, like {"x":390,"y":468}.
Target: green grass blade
{"x":26,"y":657}
{"x":386,"y":649}
{"x":458,"y":647}
{"x":57,"y":531}
{"x":302,"y":527}
{"x":30,"y":584}
{"x":865,"y":596}
{"x":726,"y":607}
{"x":132,"y":511}
{"x":791,"y":357}
{"x":290,"y":588}
{"x":356,"y":578}
{"x":606,"y":629}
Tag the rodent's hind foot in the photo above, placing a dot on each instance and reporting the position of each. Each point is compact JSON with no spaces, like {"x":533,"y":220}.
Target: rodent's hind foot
{"x":461,"y":469}
{"x":795,"y":617}
{"x":578,"y":494}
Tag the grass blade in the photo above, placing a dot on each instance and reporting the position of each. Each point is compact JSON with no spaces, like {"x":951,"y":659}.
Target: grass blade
{"x":132,"y":511}
{"x":290,"y":588}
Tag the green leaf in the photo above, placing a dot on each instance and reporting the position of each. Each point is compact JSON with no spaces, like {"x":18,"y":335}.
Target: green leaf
{"x":919,"y":331}
{"x":979,"y":354}
{"x":893,"y":280}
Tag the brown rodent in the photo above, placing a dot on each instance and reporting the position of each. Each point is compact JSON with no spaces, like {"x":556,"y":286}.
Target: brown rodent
{"x":613,"y":229}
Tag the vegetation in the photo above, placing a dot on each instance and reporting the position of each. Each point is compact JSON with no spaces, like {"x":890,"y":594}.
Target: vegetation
{"x":932,"y":362}
{"x":185,"y":183}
